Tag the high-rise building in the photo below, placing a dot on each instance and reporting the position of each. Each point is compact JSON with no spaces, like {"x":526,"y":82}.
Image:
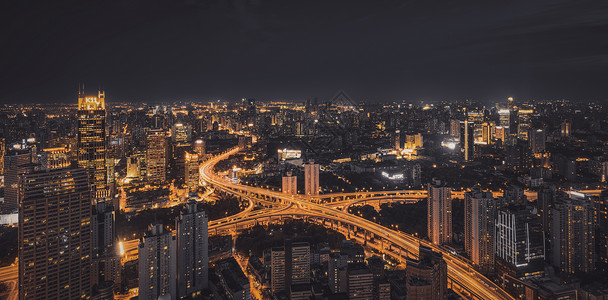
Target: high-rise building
{"x":601,"y":209}
{"x":573,"y":234}
{"x":15,"y":163}
{"x":2,"y":152}
{"x":192,"y":251}
{"x":520,"y":241}
{"x":277,"y":269}
{"x":455,"y":128}
{"x":397,"y":139}
{"x":566,"y":128}
{"x":54,"y":158}
{"x":105,"y":257}
{"x":537,"y":141}
{"x":311,"y":178}
{"x":439,"y":218}
{"x":157,"y":266}
{"x":427,"y":277}
{"x":479,"y":214}
{"x":300,"y":263}
{"x":199,"y":148}
{"x":467,"y":140}
{"x":360,"y":282}
{"x":133,"y":167}
{"x":290,"y":184}
{"x":156,"y":156}
{"x":191,"y":176}
{"x":92,"y":147}
{"x":55,"y":234}
{"x":181,"y":133}
{"x":524,"y":119}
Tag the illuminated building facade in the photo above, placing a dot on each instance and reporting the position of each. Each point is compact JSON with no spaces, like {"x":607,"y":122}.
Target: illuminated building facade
{"x":156,"y":156}
{"x":55,"y":235}
{"x":289,"y":184}
{"x":467,"y":140}
{"x":524,"y":119}
{"x":191,"y":176}
{"x":181,"y":133}
{"x":479,"y":214}
{"x":55,"y":158}
{"x":439,"y":218}
{"x":300,"y":263}
{"x":277,"y":269}
{"x":92,"y":148}
{"x":311,"y":178}
{"x":199,"y":148}
{"x":15,"y":163}
{"x":2,"y":151}
{"x":537,"y":141}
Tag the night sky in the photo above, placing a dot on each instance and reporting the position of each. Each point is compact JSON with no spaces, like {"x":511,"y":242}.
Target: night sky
{"x":279,"y":50}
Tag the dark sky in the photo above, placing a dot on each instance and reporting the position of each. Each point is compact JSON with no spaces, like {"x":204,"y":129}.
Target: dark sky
{"x":280,"y":49}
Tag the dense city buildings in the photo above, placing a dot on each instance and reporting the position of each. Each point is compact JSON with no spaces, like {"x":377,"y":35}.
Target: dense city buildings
{"x":289,"y":184}
{"x":55,"y":234}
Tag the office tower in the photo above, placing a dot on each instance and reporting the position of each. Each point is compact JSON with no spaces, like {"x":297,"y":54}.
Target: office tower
{"x":181,"y":133}
{"x":15,"y":163}
{"x":311,"y":178}
{"x":277,"y":269}
{"x":455,"y":128}
{"x":427,"y":277}
{"x":156,"y":156}
{"x":192,"y":251}
{"x":360,"y":282}
{"x":191,"y":176}
{"x":466,"y":140}
{"x":336,"y":272}
{"x":566,"y":128}
{"x":537,"y":141}
{"x":105,"y":257}
{"x":439,"y":218}
{"x":290,"y":184}
{"x":572,"y":231}
{"x":300,"y":263}
{"x":55,"y":234}
{"x":92,"y":148}
{"x":504,"y":117}
{"x":133,"y":167}
{"x":524,"y":119}
{"x":199,"y":148}
{"x":397,"y":139}
{"x":488,"y":131}
{"x":604,"y":174}
{"x":157,"y":266}
{"x":479,"y":214}
{"x":520,"y":241}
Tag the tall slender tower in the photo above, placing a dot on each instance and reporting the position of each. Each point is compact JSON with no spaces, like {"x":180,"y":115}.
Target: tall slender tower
{"x":156,"y":155}
{"x":157,"y":269}
{"x":55,"y":235}
{"x":479,"y":215}
{"x":311,"y":178}
{"x":92,"y":147}
{"x":192,"y":251}
{"x":439,"y":218}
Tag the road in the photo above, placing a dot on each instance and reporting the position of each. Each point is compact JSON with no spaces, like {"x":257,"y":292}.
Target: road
{"x":459,"y":271}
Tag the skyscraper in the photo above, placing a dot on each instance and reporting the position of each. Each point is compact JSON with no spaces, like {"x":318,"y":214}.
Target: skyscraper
{"x":105,"y":257}
{"x":311,"y":178}
{"x":290,"y":184}
{"x":336,"y":273}
{"x":572,"y":231}
{"x":520,"y":240}
{"x":156,"y":156}
{"x":91,"y":144}
{"x":427,"y":276}
{"x":192,"y":251}
{"x":199,"y":148}
{"x":55,"y":234}
{"x":439,"y":218}
{"x":191,"y":176}
{"x":467,"y":139}
{"x":2,"y":151}
{"x":157,"y":267}
{"x":479,"y":214}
